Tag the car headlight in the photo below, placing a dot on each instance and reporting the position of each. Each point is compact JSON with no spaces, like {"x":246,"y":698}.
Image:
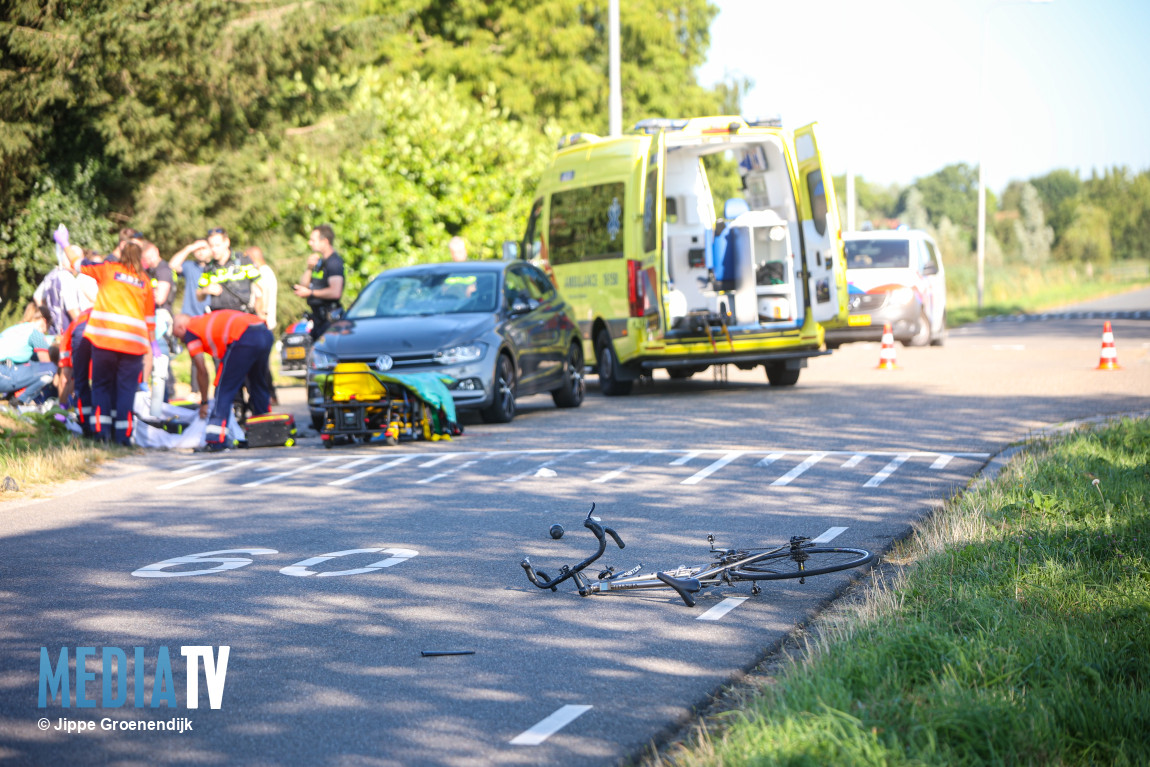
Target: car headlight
{"x":457,"y":354}
{"x":901,"y":296}
{"x":322,"y":360}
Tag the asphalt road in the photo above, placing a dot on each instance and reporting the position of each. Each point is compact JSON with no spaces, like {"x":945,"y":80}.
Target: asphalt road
{"x":325,"y":663}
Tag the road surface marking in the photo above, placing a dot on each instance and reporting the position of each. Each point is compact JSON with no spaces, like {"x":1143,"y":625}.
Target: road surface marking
{"x":192,"y":467}
{"x":549,"y":726}
{"x":375,"y":469}
{"x":829,"y":535}
{"x":721,"y":609}
{"x":887,"y":470}
{"x":699,"y":476}
{"x":196,"y":477}
{"x":276,"y":465}
{"x":611,"y":474}
{"x":768,"y":460}
{"x":941,"y":461}
{"x":296,"y":470}
{"x":798,"y":471}
{"x":544,"y":465}
{"x":686,"y":458}
{"x":854,"y":460}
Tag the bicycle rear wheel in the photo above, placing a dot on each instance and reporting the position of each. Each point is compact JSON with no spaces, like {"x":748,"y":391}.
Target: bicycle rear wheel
{"x":802,"y":564}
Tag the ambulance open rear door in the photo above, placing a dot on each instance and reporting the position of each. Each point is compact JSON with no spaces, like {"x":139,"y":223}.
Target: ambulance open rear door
{"x":821,"y":231}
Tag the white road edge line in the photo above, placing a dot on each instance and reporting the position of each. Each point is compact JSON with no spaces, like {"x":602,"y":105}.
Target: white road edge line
{"x":829,"y":535}
{"x":798,"y":471}
{"x":721,"y":609}
{"x":702,"y":474}
{"x":549,"y":726}
{"x":887,"y":470}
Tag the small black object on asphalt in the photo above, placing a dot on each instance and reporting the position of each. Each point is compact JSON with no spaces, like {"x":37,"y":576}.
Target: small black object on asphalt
{"x":556,"y":531}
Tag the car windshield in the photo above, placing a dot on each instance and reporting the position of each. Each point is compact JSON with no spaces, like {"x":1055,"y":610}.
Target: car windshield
{"x":878,"y":254}
{"x":427,"y":293}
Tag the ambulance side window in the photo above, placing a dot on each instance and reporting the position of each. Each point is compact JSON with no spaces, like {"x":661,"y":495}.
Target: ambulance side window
{"x":586,"y":224}
{"x":818,"y":200}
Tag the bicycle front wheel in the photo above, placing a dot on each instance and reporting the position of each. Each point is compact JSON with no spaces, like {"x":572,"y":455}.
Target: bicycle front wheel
{"x":802,"y":564}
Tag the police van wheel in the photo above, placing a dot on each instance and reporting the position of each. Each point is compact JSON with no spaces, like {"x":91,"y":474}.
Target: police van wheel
{"x":607,"y":367}
{"x":922,"y":336}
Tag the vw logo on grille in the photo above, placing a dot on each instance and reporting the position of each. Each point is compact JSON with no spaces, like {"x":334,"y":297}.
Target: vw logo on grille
{"x":384,"y":362}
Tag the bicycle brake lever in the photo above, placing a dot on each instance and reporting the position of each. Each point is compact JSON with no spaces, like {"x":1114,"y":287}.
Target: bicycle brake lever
{"x":615,"y":535}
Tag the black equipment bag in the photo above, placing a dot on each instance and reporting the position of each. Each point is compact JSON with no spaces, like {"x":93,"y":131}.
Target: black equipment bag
{"x":271,"y":430}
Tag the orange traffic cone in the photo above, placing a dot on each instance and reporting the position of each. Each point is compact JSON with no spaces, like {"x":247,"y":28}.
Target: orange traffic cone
{"x":1109,"y":359}
{"x":886,"y":356}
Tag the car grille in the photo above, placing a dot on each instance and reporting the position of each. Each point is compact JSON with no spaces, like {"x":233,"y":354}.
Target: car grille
{"x":399,"y":361}
{"x":866,"y":302}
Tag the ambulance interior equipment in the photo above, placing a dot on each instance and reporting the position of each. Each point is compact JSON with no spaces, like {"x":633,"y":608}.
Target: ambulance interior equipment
{"x":740,"y":270}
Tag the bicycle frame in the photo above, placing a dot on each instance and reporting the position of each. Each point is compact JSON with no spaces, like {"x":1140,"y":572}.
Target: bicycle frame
{"x":688,"y":581}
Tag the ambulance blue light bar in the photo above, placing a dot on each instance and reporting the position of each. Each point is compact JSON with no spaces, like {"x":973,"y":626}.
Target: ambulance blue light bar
{"x":655,"y":124}
{"x":571,"y":139}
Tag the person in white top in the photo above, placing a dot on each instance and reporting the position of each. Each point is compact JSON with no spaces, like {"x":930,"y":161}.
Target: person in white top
{"x":269,"y":285}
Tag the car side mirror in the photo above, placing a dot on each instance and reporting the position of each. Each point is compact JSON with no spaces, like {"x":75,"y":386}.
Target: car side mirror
{"x":510,"y":250}
{"x":519,"y":306}
{"x":930,"y":269}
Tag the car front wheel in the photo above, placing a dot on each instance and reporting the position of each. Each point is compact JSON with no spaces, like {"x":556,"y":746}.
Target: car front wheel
{"x":570,"y":394}
{"x":502,"y":407}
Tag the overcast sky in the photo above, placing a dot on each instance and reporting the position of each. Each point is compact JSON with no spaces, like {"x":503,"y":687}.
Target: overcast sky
{"x":894,"y":84}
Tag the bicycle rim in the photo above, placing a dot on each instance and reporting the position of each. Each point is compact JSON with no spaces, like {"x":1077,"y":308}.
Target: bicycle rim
{"x":818,"y":561}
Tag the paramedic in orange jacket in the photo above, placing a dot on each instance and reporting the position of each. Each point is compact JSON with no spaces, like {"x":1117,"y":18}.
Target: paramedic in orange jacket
{"x":121,"y":329}
{"x":240,"y":343}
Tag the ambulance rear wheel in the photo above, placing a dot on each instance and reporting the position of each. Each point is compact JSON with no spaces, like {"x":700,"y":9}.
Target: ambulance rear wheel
{"x":607,"y":365}
{"x":780,"y":375}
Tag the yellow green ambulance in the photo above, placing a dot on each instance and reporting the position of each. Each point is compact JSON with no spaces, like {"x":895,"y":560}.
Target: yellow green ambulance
{"x":659,"y":278}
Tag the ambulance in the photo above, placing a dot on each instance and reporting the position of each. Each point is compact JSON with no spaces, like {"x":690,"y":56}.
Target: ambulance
{"x":628,"y":230}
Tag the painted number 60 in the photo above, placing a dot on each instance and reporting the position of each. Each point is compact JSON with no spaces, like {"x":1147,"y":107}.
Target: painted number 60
{"x":223,"y":562}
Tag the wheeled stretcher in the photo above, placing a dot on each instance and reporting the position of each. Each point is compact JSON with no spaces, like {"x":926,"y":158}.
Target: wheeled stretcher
{"x":363,"y":405}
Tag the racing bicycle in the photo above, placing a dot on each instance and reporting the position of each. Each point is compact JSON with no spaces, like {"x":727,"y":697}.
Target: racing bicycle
{"x":799,"y":558}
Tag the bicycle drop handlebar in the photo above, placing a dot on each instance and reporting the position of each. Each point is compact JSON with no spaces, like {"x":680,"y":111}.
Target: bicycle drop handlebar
{"x":543,"y":581}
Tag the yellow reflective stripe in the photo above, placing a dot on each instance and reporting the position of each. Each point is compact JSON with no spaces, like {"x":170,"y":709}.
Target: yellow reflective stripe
{"x":122,"y":319}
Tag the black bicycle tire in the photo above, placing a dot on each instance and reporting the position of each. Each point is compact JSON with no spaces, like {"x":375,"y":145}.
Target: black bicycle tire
{"x":861,"y":557}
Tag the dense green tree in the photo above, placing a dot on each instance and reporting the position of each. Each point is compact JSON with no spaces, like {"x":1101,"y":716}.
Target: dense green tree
{"x":1125,"y":197}
{"x":1055,"y":188}
{"x":951,"y":192}
{"x":1033,"y":236}
{"x":1087,"y":239}
{"x":547,"y":59}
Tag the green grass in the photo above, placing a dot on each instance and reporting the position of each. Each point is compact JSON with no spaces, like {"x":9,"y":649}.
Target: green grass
{"x":1021,"y":289}
{"x":37,"y":450}
{"x":1020,"y":635}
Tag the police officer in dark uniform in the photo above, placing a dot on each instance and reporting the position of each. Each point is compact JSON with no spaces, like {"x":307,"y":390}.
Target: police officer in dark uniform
{"x":230,"y":279}
{"x":322,"y":283}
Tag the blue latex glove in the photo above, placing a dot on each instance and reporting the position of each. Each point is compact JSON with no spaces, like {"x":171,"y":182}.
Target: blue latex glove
{"x":61,"y":237}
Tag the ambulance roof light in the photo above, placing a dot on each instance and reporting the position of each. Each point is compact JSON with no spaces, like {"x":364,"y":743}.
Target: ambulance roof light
{"x":769,"y":121}
{"x":571,"y":139}
{"x":656,"y":124}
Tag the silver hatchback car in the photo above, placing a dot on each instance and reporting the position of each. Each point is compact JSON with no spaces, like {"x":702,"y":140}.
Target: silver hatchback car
{"x":498,"y":329}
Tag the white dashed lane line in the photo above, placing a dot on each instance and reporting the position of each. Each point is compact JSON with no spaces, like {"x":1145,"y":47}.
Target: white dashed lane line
{"x":887,"y":470}
{"x":699,"y":476}
{"x":374,"y":469}
{"x":798,"y":471}
{"x":829,"y":535}
{"x":549,"y":726}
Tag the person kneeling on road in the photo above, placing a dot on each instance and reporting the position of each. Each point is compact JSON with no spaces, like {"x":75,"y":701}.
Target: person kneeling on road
{"x":240,"y":343}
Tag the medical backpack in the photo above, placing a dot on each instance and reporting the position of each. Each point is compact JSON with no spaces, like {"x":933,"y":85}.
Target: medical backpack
{"x":271,"y":430}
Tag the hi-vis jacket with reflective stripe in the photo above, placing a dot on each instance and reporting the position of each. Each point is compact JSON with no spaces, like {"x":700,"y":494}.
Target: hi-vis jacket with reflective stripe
{"x":214,"y":332}
{"x":124,"y":317}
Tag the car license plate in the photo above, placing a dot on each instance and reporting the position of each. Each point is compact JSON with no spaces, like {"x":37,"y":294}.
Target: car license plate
{"x":858,"y":320}
{"x":295,"y":353}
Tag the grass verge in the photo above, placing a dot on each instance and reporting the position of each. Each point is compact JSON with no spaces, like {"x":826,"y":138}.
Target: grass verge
{"x":1017,"y":632}
{"x":37,"y":450}
{"x":1023,"y":290}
